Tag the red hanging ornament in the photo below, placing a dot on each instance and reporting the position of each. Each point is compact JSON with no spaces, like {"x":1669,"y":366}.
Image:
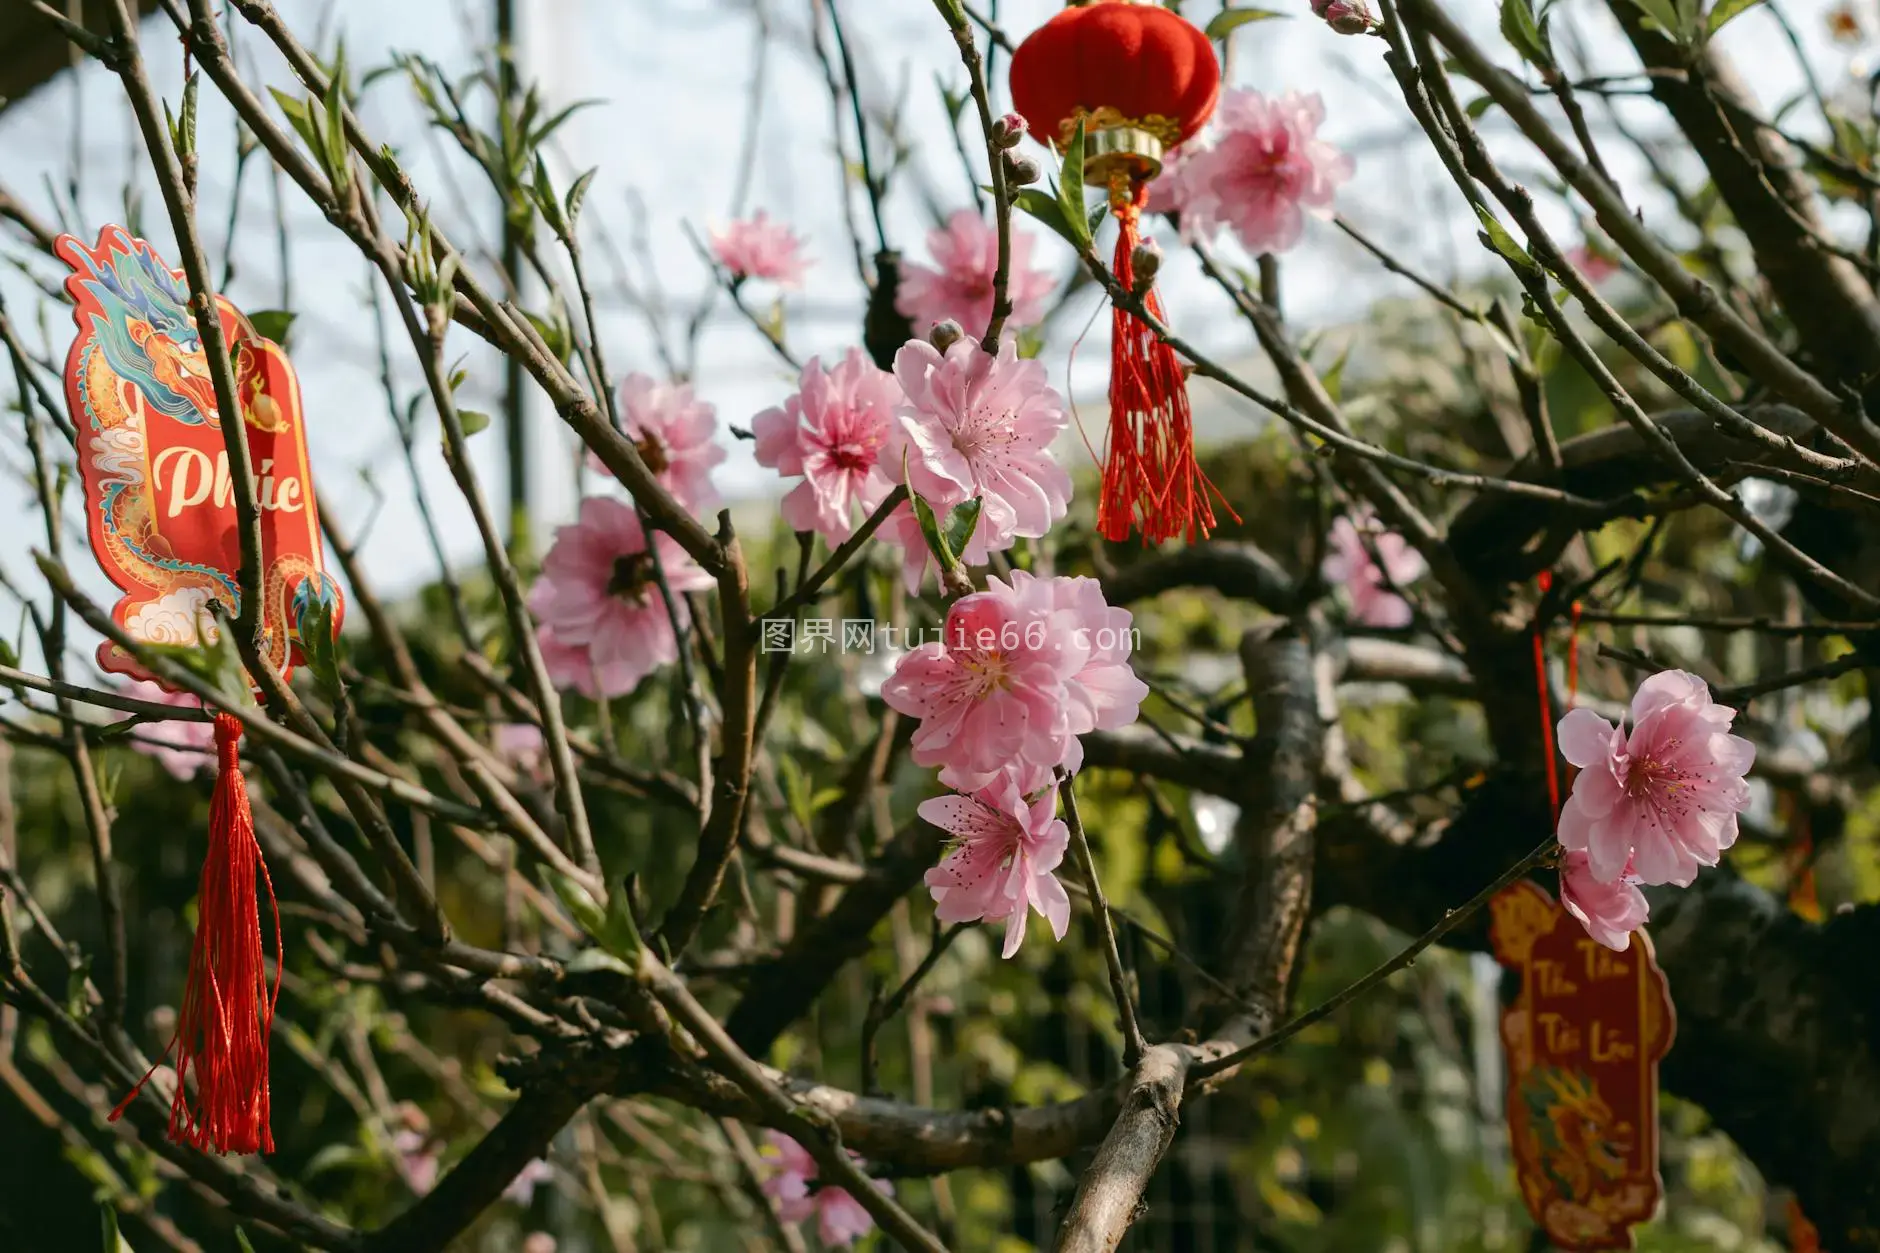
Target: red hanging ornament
{"x":161,"y":519}
{"x":1142,"y":80}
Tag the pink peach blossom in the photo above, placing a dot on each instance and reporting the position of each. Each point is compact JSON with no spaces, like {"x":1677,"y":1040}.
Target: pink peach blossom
{"x":1168,"y":190}
{"x":1664,"y":801}
{"x":182,"y":748}
{"x":1021,"y":671}
{"x":966,"y":257}
{"x":1595,"y":264}
{"x":1003,"y":866}
{"x":522,"y":1188}
{"x":419,"y":1155}
{"x":1349,"y":565}
{"x":676,"y":433}
{"x":981,"y":425}
{"x":1610,"y":912}
{"x":1264,"y":169}
{"x":831,"y":432}
{"x":840,"y":1218}
{"x":604,"y":624}
{"x":523,"y":746}
{"x":757,"y":247}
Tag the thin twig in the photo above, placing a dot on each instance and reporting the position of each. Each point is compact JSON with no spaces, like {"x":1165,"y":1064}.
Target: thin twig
{"x":1133,"y":1043}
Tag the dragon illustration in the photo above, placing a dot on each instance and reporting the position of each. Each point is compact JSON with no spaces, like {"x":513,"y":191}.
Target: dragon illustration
{"x":138,"y":382}
{"x":1583,"y":1145}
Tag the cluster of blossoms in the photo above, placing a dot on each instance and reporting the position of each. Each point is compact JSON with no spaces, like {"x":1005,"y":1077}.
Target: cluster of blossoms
{"x":1367,"y":580}
{"x":1023,"y":668}
{"x":1259,"y":170}
{"x":1650,"y":807}
{"x":791,"y":1184}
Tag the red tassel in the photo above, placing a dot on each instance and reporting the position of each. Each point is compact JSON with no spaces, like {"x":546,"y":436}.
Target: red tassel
{"x":1150,"y":475}
{"x":228,"y":1008}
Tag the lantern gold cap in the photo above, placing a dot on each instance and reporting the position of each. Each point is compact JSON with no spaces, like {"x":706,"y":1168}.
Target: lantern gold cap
{"x":1128,"y":152}
{"x":1116,"y":146}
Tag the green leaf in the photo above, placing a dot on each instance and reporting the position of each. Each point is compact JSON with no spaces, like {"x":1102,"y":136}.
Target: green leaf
{"x":1333,"y":379}
{"x":336,"y":150}
{"x":1047,"y":210}
{"x":554,"y":330}
{"x":473,"y":421}
{"x":623,"y":933}
{"x":930,"y":531}
{"x":543,"y":193}
{"x":1478,"y":106}
{"x":1497,"y":238}
{"x":1690,"y":20}
{"x":960,"y":523}
{"x":594,"y":960}
{"x":183,"y":128}
{"x":1227,"y":21}
{"x":273,"y":324}
{"x":1723,"y":12}
{"x":321,"y":646}
{"x":114,"y":1241}
{"x":951,"y":11}
{"x":299,"y":117}
{"x":952,"y":103}
{"x":340,"y":1156}
{"x":8,"y":656}
{"x":613,"y":928}
{"x":1071,"y":191}
{"x":218,"y":664}
{"x":75,"y":1000}
{"x":542,"y":132}
{"x":578,"y":901}
{"x":1662,"y":16}
{"x":1850,"y":140}
{"x":1526,"y":34}
{"x":576,"y":194}
{"x":241,"y":1238}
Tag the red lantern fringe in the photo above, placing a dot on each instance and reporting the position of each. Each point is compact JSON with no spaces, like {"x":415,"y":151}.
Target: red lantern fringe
{"x":228,"y":1009}
{"x":1150,"y":475}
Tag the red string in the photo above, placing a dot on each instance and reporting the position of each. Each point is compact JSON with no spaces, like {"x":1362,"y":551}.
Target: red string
{"x":1546,"y":582}
{"x":228,"y":1009}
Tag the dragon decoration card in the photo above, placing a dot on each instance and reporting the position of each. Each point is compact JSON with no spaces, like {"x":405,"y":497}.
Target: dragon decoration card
{"x":1583,"y":1039}
{"x":159,"y":504}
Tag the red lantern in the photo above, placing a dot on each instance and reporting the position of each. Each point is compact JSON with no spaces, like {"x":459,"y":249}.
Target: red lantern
{"x":1142,"y":80}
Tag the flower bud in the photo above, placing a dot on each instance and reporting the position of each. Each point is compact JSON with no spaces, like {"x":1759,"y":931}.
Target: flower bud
{"x":1008,"y":130}
{"x":1021,"y":170}
{"x":1347,"y":17}
{"x":945,"y":334}
{"x":1146,"y":262}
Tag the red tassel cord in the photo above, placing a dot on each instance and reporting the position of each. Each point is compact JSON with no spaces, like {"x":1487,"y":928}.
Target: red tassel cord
{"x":1150,"y":475}
{"x":1546,"y":582}
{"x":228,"y":1008}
